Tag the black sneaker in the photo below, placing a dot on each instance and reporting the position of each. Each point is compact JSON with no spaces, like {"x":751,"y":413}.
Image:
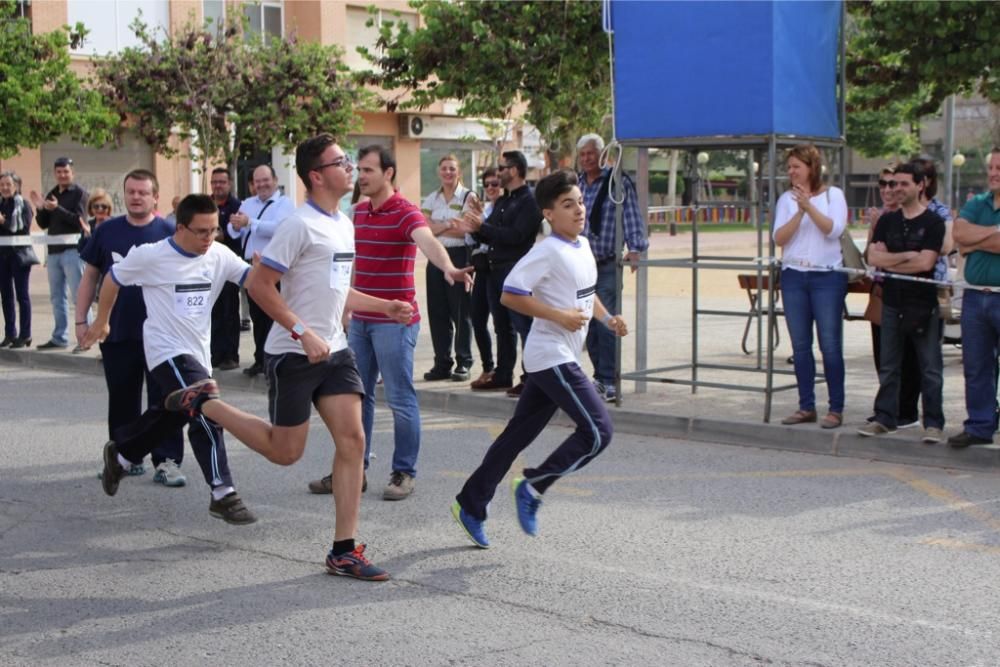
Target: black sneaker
{"x":435,"y":374}
{"x":964,"y":439}
{"x":189,"y":399}
{"x":52,"y":345}
{"x":113,"y":470}
{"x":325,"y":485}
{"x":231,"y":510}
{"x":253,"y":370}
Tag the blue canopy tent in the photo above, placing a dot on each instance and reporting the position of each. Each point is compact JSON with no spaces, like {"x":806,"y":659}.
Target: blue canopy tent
{"x":738,"y":74}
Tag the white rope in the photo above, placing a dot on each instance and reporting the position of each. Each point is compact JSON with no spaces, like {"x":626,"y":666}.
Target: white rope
{"x":39,"y":239}
{"x":613,"y":145}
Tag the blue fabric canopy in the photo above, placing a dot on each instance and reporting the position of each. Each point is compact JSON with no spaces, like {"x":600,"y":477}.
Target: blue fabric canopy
{"x":708,"y":69}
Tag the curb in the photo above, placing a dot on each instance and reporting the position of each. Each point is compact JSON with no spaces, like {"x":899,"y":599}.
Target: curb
{"x":899,"y":448}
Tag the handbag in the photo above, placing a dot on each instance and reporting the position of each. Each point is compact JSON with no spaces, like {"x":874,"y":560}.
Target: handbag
{"x":25,"y":256}
{"x":849,"y":252}
{"x":873,"y":311}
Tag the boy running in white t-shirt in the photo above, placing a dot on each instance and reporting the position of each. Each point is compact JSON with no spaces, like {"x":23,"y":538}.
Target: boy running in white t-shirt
{"x":555,"y":283}
{"x":307,"y":359}
{"x":181,"y":277}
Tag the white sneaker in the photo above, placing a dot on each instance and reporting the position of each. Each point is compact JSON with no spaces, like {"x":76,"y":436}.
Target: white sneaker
{"x":400,"y":486}
{"x":933,"y":436}
{"x":169,"y":473}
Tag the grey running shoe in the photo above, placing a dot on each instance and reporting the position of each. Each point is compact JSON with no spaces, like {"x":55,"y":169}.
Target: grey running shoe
{"x":399,"y":487}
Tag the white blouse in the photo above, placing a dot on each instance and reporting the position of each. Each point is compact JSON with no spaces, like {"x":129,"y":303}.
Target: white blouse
{"x":809,"y":245}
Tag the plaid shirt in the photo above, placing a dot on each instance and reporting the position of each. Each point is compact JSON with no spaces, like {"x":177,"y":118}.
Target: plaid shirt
{"x":634,"y":226}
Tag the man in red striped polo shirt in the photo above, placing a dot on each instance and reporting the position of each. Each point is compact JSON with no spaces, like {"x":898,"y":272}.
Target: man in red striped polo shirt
{"x":388,"y":229}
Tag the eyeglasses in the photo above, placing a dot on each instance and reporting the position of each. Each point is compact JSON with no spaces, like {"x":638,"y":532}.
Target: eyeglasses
{"x":344,"y":162}
{"x":100,"y":207}
{"x":491,"y":184}
{"x":203,"y":233}
{"x":887,"y":184}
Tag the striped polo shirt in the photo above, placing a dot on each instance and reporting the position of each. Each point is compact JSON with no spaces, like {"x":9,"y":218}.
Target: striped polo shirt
{"x":386,"y":253}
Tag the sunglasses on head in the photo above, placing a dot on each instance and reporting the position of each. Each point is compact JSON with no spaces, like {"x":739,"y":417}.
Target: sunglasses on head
{"x":886,"y":184}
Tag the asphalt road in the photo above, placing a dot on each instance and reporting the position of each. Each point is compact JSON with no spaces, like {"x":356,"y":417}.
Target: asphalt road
{"x":662,"y":552}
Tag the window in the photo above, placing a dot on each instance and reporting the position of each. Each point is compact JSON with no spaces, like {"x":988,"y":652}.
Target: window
{"x":215,"y":10}
{"x":265,"y":17}
{"x":359,"y":34}
{"x":108,"y":22}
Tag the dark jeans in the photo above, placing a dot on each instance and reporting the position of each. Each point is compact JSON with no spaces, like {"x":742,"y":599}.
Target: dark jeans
{"x":479,"y":307}
{"x":448,"y":308}
{"x":14,"y":281}
{"x":980,"y":348}
{"x":226,"y":325}
{"x":124,"y":371}
{"x":506,"y":324}
{"x":261,"y":327}
{"x":909,"y":387}
{"x":927,"y":345}
{"x":816,"y":297}
{"x":133,"y":440}
{"x":600,"y":339}
{"x":564,"y":387}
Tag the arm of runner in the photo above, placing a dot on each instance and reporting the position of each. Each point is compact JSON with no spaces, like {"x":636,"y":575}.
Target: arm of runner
{"x":400,"y":311}
{"x":85,"y":297}
{"x":262,"y":286}
{"x":614,"y":322}
{"x":571,"y":319}
{"x":101,"y":327}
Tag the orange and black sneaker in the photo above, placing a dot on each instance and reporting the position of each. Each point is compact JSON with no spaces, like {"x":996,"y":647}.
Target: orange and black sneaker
{"x":354,"y":564}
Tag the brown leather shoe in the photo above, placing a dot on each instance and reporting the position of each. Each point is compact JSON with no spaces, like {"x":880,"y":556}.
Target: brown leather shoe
{"x":490,"y":385}
{"x":481,"y":380}
{"x":832,"y":420}
{"x":800,"y":417}
{"x":516,"y":390}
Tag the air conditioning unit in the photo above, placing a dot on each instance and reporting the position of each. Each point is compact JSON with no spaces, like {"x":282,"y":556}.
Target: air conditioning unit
{"x":411,"y":126}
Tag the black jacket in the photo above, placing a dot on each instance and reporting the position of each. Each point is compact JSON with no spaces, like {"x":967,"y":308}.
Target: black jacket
{"x":64,"y":218}
{"x":512,"y":227}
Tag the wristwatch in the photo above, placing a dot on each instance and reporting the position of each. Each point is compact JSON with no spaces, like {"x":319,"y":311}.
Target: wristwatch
{"x":298,"y":331}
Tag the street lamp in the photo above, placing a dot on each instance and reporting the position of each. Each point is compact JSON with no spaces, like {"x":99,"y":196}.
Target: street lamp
{"x":957,"y":160}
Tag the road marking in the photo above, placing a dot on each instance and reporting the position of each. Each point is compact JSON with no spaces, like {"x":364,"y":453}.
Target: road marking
{"x":946,"y":497}
{"x":960,"y":545}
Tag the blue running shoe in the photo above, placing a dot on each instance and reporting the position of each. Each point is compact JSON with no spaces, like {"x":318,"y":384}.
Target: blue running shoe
{"x":527,"y":505}
{"x":473,"y":527}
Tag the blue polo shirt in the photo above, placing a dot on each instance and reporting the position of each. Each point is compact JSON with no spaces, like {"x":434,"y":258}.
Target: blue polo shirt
{"x":982,"y":268}
{"x":110,"y":243}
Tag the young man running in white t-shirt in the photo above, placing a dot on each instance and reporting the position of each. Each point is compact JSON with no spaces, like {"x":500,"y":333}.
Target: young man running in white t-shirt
{"x":308,"y":361}
{"x":181,"y":277}
{"x":555,"y":283}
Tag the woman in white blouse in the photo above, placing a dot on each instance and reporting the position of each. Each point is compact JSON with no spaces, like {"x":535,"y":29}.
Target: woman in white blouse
{"x":448,"y":306}
{"x":808,"y":221}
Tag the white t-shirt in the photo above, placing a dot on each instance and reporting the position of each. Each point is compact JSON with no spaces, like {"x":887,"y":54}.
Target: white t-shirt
{"x":179,"y":289}
{"x":809,"y":244}
{"x":314,"y":250}
{"x":562,"y":274}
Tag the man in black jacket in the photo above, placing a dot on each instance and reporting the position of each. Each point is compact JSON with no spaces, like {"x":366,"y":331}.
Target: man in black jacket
{"x":63,"y":211}
{"x":510,"y":232}
{"x":226,"y":312}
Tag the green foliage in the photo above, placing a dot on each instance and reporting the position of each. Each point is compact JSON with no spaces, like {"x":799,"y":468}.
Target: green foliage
{"x":224,"y":87}
{"x":491,"y":55}
{"x":905,"y":58}
{"x":43,"y":99}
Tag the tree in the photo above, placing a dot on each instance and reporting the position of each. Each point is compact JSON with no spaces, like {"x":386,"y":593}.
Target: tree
{"x":905,"y":58}
{"x":222,"y":88}
{"x":43,"y":99}
{"x":491,"y":55}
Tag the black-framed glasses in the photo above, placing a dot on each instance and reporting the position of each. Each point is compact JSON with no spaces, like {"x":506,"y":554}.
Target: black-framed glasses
{"x":203,"y":233}
{"x":344,"y":162}
{"x":491,"y":184}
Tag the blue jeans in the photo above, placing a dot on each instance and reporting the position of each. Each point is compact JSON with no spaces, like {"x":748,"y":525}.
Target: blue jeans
{"x":388,"y":347}
{"x":14,"y":287}
{"x":600,"y":339}
{"x":927,"y":345}
{"x":65,"y":271}
{"x":980,"y":347}
{"x":816,"y":297}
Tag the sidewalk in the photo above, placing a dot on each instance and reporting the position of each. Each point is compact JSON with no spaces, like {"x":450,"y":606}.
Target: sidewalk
{"x":664,"y":410}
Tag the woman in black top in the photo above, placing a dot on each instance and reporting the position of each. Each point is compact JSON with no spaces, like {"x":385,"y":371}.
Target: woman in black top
{"x":15,"y":261}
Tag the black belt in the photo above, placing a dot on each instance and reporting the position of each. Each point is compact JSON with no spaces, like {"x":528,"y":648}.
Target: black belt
{"x":606,"y":261}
